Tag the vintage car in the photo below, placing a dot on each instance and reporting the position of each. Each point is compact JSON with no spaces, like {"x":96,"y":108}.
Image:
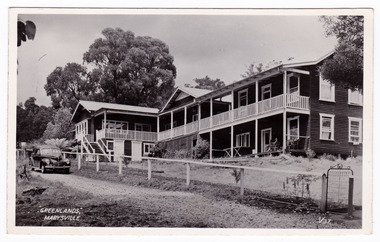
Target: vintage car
{"x":47,"y":157}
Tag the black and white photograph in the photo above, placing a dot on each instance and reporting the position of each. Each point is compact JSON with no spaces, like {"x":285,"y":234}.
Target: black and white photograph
{"x":191,"y":119}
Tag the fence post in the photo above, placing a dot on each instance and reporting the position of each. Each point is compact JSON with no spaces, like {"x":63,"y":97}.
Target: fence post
{"x":350,"y":196}
{"x":97,"y":163}
{"x":187,"y":174}
{"x":323,"y":205}
{"x":149,"y":169}
{"x":120,"y":163}
{"x":241,"y":181}
{"x":64,"y":155}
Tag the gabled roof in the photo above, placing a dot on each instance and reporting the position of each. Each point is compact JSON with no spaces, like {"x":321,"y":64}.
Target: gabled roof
{"x":262,"y":75}
{"x":92,"y":106}
{"x":193,"y":92}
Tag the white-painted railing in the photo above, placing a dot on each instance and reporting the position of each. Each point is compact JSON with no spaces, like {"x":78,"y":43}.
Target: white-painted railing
{"x":180,"y":130}
{"x":270,"y":104}
{"x":245,"y":111}
{"x":264,"y":106}
{"x":299,"y":102}
{"x":204,"y":123}
{"x":127,"y":135}
{"x":191,"y":127}
{"x":221,"y":118}
{"x":164,"y":134}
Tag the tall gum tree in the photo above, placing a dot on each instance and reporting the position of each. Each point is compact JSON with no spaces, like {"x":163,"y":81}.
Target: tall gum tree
{"x":131,"y":70}
{"x":345,"y":67}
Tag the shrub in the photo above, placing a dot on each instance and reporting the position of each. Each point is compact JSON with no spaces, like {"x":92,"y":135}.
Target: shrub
{"x":330,"y":157}
{"x":159,"y":150}
{"x":201,"y":149}
{"x":310,"y":154}
{"x":181,"y":154}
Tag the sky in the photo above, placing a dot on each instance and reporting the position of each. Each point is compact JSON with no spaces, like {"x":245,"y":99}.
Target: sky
{"x":219,"y":46}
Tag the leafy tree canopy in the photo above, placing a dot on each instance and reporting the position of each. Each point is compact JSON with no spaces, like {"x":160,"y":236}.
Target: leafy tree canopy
{"x":131,"y":70}
{"x":255,"y":68}
{"x":345,"y":68}
{"x":207,"y":83}
{"x":31,"y":120}
{"x":66,"y":86}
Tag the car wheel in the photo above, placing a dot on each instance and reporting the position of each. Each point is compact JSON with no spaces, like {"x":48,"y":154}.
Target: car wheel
{"x":67,"y":171}
{"x":32,"y":168}
{"x":43,"y":169}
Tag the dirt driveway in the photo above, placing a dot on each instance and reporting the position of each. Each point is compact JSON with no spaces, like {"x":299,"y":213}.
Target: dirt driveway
{"x":186,"y":209}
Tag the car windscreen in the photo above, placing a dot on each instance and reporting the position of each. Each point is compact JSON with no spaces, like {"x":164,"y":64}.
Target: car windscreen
{"x":51,"y":151}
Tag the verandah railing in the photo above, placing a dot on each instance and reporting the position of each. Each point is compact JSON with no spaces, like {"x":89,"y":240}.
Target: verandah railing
{"x":264,"y":106}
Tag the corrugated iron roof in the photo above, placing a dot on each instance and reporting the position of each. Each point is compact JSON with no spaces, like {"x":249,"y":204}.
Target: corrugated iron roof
{"x":94,"y":106}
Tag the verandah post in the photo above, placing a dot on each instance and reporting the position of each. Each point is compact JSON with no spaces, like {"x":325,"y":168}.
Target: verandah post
{"x":241,"y":181}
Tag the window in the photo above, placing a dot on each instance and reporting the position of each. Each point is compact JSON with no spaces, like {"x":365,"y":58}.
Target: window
{"x":326,"y":90}
{"x":142,"y":127}
{"x":355,"y":130}
{"x":293,"y":128}
{"x":82,"y":127}
{"x":243,"y":97}
{"x":266,"y":92}
{"x":326,"y":126}
{"x":355,"y":97}
{"x":109,"y":145}
{"x":115,"y":125}
{"x":194,"y":117}
{"x":148,"y":148}
{"x":242,"y":140}
{"x":293,"y":84}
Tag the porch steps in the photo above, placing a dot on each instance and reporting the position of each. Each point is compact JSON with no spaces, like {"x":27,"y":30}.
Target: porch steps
{"x":96,"y":148}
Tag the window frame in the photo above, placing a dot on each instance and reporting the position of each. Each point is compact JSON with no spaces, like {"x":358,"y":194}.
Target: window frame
{"x":360,"y":103}
{"x":239,"y":97}
{"x":239,"y":138}
{"x":321,"y":82}
{"x":107,"y":145}
{"x":149,"y":150}
{"x":332,"y":128}
{"x":109,"y":121}
{"x":270,"y":91}
{"x":82,"y":127}
{"x":360,"y":120}
{"x":298,"y":83}
{"x":298,"y":127}
{"x":194,"y":117}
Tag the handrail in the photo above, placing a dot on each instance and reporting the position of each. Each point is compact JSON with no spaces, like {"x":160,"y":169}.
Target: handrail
{"x":101,"y":148}
{"x":85,"y":140}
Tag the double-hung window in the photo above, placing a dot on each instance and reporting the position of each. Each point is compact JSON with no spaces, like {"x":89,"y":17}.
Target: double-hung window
{"x":355,"y":97}
{"x":326,"y":90}
{"x":326,"y":126}
{"x":243,"y":97}
{"x":355,"y":130}
{"x":242,"y":140}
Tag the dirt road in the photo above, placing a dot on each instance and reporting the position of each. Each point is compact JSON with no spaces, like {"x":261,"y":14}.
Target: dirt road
{"x":185,"y":209}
